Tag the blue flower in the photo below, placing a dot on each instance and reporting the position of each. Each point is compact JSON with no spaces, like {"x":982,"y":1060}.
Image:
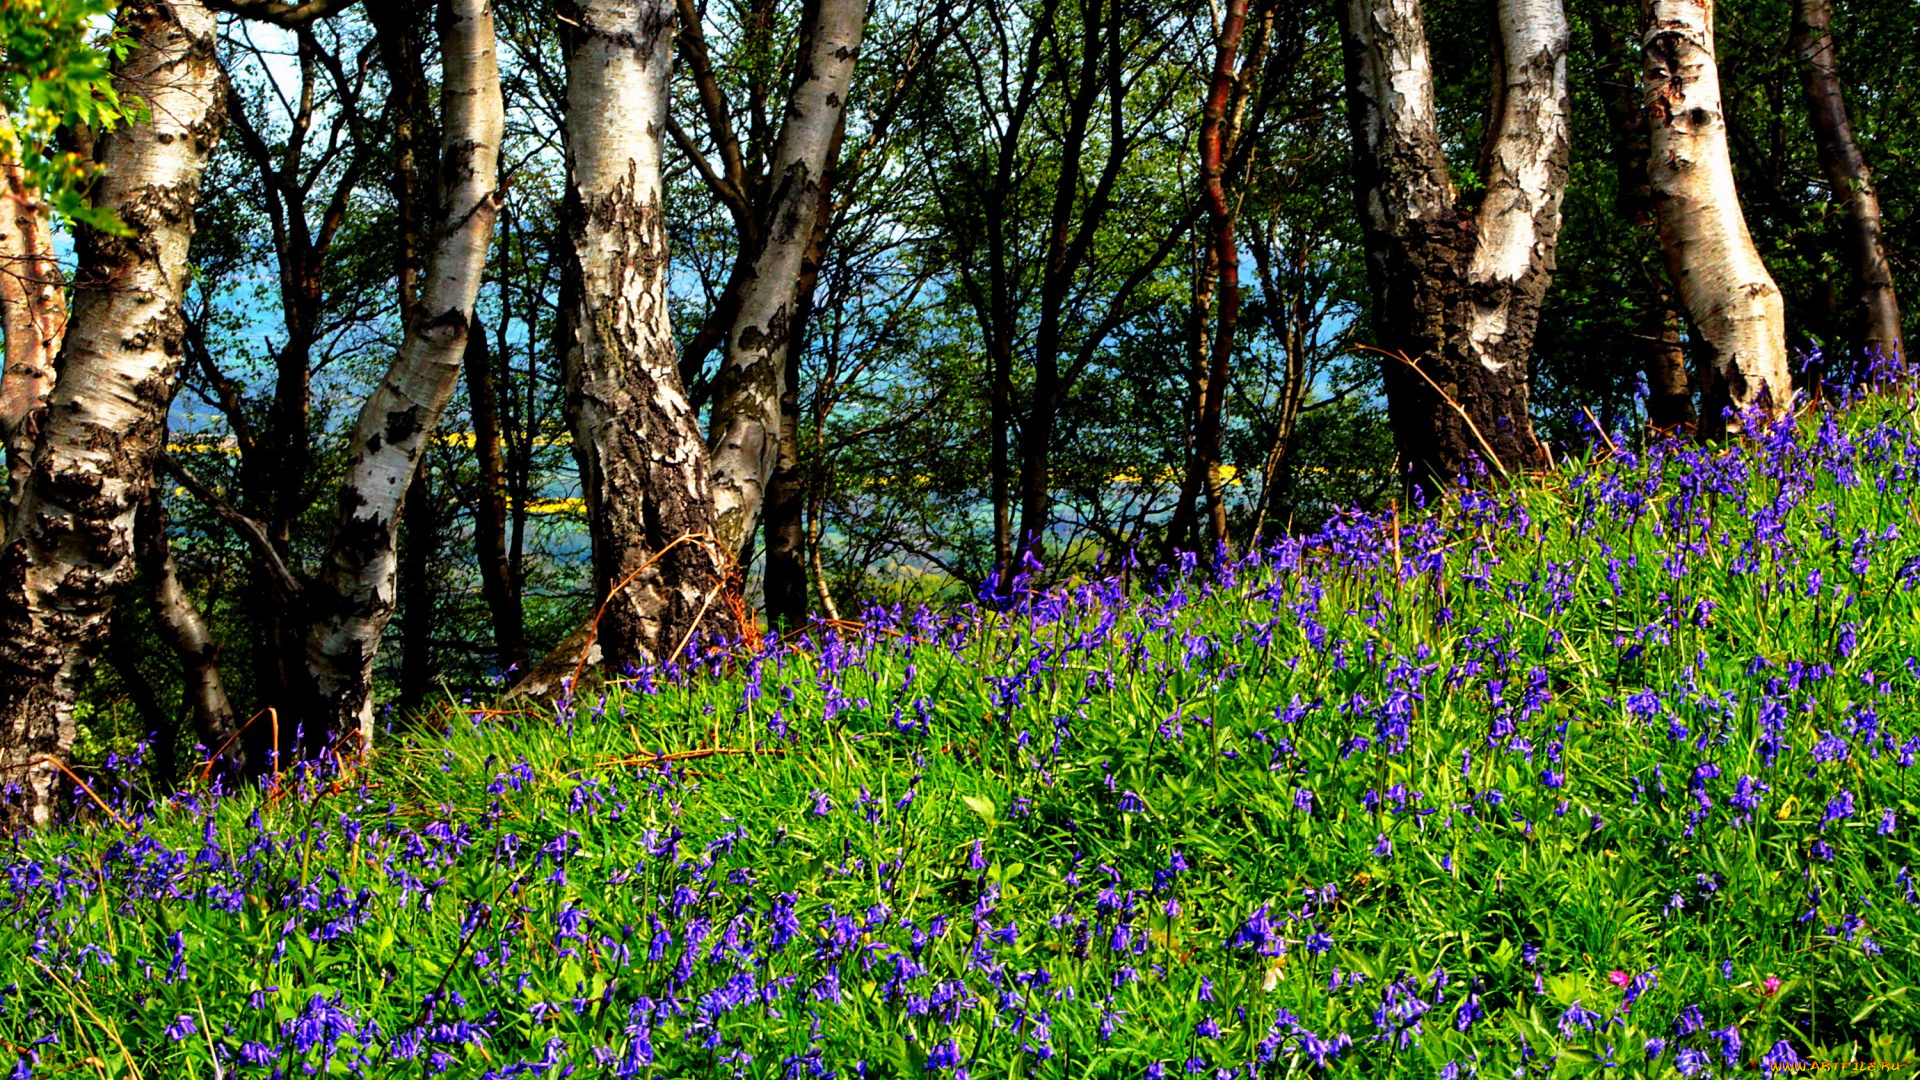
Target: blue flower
{"x":1729,"y":1039}
{"x":1577,"y":1018}
{"x":944,"y":1055}
{"x":1780,"y":1058}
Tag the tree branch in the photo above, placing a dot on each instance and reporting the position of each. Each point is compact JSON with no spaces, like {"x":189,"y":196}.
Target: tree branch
{"x":287,"y":13}
{"x":250,"y":530}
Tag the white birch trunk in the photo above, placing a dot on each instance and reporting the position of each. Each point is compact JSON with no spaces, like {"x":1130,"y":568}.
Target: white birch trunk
{"x":353,"y":595}
{"x":1391,"y":98}
{"x":1526,"y":175}
{"x":1735,"y":306}
{"x":1457,"y":288}
{"x":746,"y":414}
{"x":69,"y":550}
{"x":643,"y":467}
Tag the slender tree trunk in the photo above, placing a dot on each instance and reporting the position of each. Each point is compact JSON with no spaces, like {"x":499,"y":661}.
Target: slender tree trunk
{"x":352,"y":597}
{"x":643,"y":467}
{"x":785,"y":580}
{"x":816,"y":525}
{"x":1735,"y":306}
{"x":68,"y":552}
{"x":276,"y":478}
{"x":416,"y":590}
{"x":1457,"y":290}
{"x":398,"y":31}
{"x":497,"y":584}
{"x":1217,"y":135}
{"x":183,"y":629}
{"x":1294,"y":322}
{"x":33,"y":313}
{"x":1876,"y":315}
{"x":1070,"y":228}
{"x":746,"y":416}
{"x":1036,"y":455}
{"x":1206,"y":283}
{"x":162,"y":733}
{"x":1000,"y":449}
{"x":1657,"y":338}
{"x":1669,"y":389}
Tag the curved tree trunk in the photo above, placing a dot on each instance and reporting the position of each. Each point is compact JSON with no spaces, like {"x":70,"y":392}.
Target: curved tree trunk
{"x":1735,"y":306}
{"x":33,"y":311}
{"x":1457,"y":290}
{"x":643,"y":467}
{"x":184,"y":630}
{"x":353,"y":594}
{"x":70,"y":547}
{"x":1877,"y":341}
{"x":746,"y":409}
{"x":1223,"y":114}
{"x":1218,"y":135}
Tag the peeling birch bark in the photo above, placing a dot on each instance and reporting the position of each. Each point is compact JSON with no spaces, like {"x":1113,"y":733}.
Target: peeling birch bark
{"x":1526,"y":174}
{"x":1457,"y":288}
{"x":353,"y":595}
{"x":33,"y":312}
{"x":70,"y":546}
{"x":1736,"y":308}
{"x":1877,"y":338}
{"x":643,"y":467}
{"x":746,"y":413}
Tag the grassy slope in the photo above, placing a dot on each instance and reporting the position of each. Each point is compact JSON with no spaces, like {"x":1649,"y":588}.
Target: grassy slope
{"x":1399,"y":800}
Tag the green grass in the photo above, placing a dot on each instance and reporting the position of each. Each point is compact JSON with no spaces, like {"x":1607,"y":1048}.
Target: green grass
{"x":1068,"y":839}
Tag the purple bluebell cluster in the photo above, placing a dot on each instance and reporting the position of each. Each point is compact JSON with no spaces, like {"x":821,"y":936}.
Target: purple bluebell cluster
{"x":1612,"y":770}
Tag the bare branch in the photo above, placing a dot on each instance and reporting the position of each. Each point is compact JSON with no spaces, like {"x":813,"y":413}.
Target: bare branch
{"x":250,"y":530}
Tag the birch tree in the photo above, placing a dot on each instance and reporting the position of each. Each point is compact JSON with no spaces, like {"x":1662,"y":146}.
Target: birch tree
{"x":70,"y":546}
{"x":1457,"y":287}
{"x":643,"y":466}
{"x":745,"y":439}
{"x":33,"y":311}
{"x":352,"y":596}
{"x":59,"y":89}
{"x":1877,"y":336}
{"x":1737,"y":312}
{"x":1662,"y":358}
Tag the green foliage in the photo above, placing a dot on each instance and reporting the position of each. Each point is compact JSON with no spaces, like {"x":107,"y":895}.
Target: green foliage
{"x":55,"y":73}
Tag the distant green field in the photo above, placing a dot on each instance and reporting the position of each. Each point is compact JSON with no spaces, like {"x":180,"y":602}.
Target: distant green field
{"x":1611,"y":769}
